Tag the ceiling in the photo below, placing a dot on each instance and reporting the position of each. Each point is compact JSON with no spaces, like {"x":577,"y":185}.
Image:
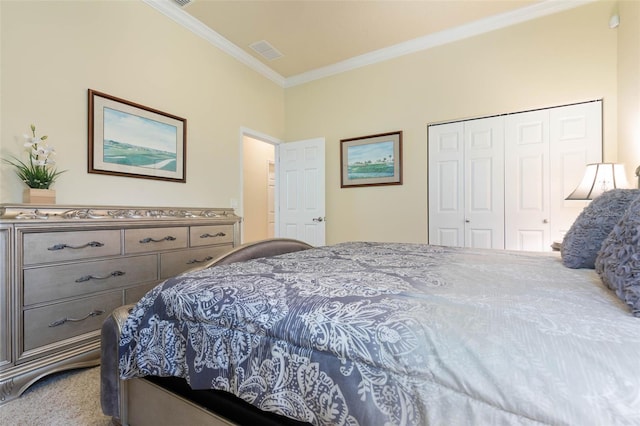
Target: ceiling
{"x":319,"y":37}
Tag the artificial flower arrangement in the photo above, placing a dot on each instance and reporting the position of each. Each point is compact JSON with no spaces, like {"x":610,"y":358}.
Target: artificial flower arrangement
{"x":39,"y":172}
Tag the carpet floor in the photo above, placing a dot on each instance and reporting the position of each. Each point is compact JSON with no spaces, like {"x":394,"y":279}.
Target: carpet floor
{"x":69,"y":398}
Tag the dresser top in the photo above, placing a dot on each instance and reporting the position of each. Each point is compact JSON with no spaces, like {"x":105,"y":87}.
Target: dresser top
{"x":32,"y":212}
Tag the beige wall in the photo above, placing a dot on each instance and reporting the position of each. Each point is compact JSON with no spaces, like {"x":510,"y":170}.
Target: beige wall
{"x":554,"y":60}
{"x":629,"y":87}
{"x":53,"y":51}
{"x":256,"y":155}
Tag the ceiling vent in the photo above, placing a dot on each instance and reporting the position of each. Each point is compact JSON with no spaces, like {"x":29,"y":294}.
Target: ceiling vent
{"x":266,"y":50}
{"x":182,"y":3}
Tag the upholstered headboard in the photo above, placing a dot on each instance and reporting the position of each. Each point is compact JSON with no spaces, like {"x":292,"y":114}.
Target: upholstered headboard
{"x":257,"y":249}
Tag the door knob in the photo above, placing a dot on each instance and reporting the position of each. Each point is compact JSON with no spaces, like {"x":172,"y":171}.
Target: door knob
{"x":318,"y":219}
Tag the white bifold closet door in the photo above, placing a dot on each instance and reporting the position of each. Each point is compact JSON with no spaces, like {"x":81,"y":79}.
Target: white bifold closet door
{"x":500,"y":182}
{"x":484,"y":183}
{"x":527,"y":210}
{"x":466,"y":184}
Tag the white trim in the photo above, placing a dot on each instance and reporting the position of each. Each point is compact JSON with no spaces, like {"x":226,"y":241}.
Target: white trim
{"x":548,"y":7}
{"x":438,"y":39}
{"x":173,"y":11}
{"x":245,"y":131}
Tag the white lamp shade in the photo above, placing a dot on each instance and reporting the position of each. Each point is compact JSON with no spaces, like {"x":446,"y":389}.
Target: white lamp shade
{"x":598,"y":178}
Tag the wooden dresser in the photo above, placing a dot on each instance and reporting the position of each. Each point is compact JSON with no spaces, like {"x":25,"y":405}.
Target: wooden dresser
{"x":63,"y":269}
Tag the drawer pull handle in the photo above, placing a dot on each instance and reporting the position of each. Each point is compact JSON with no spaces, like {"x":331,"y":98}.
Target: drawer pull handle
{"x":151,"y":240}
{"x":64,"y":246}
{"x":99,"y":277}
{"x":219,"y":234}
{"x":65,"y":320}
{"x":206,"y":259}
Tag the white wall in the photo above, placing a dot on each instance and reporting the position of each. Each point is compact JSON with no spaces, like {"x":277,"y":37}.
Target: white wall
{"x":53,"y":51}
{"x":554,"y":60}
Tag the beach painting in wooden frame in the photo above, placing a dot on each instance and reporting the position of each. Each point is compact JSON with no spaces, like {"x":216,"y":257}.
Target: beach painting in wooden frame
{"x":129,"y":139}
{"x":371,"y":160}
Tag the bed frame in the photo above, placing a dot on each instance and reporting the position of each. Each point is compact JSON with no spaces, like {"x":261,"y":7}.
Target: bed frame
{"x":170,"y":400}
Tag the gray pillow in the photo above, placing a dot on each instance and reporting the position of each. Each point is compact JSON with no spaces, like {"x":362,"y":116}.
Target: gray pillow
{"x":582,"y":242}
{"x":618,"y":262}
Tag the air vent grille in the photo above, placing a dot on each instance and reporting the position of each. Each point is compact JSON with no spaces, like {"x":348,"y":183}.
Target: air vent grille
{"x":266,"y":50}
{"x":182,"y":3}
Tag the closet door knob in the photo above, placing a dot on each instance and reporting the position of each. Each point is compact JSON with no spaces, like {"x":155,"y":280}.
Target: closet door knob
{"x":545,"y":221}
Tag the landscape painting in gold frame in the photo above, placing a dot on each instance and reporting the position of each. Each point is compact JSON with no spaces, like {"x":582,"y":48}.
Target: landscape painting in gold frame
{"x":371,"y":160}
{"x":129,"y":139}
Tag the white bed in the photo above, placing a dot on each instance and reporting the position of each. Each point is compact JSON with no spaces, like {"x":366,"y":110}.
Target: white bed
{"x":382,"y":333}
{"x":391,"y":334}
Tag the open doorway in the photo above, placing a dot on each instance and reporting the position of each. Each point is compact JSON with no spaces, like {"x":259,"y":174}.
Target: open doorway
{"x":258,"y":188}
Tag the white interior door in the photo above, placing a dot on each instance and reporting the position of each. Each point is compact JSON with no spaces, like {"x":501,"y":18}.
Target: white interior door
{"x":446,"y":187}
{"x":484,"y":183}
{"x":527,"y":213}
{"x":301,"y":186}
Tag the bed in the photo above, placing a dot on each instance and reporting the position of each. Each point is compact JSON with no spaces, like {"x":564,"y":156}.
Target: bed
{"x":388,"y":334}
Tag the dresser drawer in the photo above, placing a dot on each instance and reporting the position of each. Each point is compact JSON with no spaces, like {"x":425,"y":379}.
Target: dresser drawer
{"x":208,"y":235}
{"x":61,"y":321}
{"x":179,"y":261}
{"x":134,"y":294}
{"x":62,"y":281}
{"x":60,"y":246}
{"x":153,"y":239}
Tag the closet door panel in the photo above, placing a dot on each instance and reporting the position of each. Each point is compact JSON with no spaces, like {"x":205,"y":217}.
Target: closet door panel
{"x":481,"y":238}
{"x":501,"y":182}
{"x":527,"y":209}
{"x":446,"y":202}
{"x":576,"y":140}
{"x":484,"y":183}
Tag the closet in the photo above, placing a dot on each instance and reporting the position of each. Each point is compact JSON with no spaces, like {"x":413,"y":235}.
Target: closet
{"x":501,"y":182}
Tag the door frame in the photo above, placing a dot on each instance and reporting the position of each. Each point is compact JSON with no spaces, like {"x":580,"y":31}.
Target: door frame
{"x":263,"y":137}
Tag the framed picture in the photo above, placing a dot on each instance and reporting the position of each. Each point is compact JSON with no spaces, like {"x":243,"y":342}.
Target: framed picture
{"x":127,"y":139}
{"x":371,"y":160}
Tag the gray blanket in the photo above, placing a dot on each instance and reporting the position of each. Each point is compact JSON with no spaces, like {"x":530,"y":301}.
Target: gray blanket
{"x":395,"y":334}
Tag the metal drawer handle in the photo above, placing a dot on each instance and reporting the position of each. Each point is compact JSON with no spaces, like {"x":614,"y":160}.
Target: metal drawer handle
{"x":206,"y":259}
{"x":99,"y":277}
{"x":151,"y":240}
{"x":64,"y":320}
{"x":219,"y":234}
{"x":64,"y":246}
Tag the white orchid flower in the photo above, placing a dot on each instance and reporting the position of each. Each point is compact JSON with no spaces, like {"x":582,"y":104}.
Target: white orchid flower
{"x":37,"y":172}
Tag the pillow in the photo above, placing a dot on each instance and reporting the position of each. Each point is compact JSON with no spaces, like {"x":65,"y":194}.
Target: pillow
{"x":582,"y":242}
{"x":618,"y":262}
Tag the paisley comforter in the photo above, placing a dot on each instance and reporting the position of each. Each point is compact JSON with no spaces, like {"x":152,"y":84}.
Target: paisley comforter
{"x":395,"y":334}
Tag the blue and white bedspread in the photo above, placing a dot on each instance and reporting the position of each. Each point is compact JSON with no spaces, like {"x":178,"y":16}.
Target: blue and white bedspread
{"x":395,"y":334}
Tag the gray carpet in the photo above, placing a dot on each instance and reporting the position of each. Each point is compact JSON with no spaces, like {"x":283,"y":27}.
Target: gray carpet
{"x":70,"y":398}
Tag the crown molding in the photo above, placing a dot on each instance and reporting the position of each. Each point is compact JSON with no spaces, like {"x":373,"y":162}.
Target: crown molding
{"x":173,"y":11}
{"x":486,"y":25}
{"x":538,"y":10}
